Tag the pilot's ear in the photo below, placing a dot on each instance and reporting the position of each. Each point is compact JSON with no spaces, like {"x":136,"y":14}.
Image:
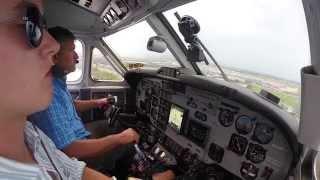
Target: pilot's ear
{"x":55,"y":58}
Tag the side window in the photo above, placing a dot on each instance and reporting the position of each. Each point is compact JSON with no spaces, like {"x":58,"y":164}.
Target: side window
{"x":101,"y":69}
{"x":77,"y":74}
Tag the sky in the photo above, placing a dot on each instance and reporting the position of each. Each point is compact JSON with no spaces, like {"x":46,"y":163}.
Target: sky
{"x":263,"y":36}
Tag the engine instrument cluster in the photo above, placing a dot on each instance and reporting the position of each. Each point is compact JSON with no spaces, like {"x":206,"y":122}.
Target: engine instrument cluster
{"x":208,"y":136}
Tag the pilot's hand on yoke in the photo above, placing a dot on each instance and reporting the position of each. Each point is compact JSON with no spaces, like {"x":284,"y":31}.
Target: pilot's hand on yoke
{"x":104,"y":103}
{"x":129,"y":136}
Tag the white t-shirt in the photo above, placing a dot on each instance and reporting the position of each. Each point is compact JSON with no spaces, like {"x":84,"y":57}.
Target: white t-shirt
{"x":52,"y":163}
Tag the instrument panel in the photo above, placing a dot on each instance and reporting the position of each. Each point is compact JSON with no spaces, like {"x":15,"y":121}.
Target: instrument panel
{"x":211,"y":135}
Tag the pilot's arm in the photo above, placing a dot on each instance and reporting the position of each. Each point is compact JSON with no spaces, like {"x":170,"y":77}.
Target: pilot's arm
{"x":167,"y":175}
{"x":90,"y":174}
{"x":96,"y":147}
{"x":85,"y":105}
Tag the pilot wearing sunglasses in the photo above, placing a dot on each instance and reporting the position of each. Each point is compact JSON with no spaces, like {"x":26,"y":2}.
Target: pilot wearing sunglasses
{"x":26,"y":57}
{"x":26,"y":54}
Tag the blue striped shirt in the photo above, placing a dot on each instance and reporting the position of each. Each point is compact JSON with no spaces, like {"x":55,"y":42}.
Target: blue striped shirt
{"x":60,"y":121}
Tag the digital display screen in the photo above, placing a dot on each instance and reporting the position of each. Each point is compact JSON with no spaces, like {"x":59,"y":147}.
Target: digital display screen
{"x":176,"y":117}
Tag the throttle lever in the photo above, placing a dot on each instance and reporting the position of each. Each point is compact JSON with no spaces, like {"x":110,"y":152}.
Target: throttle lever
{"x":139,"y":152}
{"x":141,"y":159}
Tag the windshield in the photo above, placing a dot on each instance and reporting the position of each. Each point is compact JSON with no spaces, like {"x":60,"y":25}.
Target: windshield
{"x":259,"y":44}
{"x":134,"y":53}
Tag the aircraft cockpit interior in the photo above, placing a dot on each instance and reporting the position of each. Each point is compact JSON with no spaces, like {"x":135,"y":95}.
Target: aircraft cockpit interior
{"x":202,"y":127}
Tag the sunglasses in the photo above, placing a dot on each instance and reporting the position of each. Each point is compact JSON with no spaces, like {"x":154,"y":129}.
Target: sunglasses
{"x":34,"y":23}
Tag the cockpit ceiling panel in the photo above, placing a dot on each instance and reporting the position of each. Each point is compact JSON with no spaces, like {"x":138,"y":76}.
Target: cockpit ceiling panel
{"x":94,"y":16}
{"x":95,"y":6}
{"x":66,"y":14}
{"x":165,"y":5}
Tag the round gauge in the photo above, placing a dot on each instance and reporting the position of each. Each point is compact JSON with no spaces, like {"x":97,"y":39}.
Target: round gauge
{"x":263,"y":133}
{"x":238,"y":144}
{"x":216,"y":152}
{"x":256,"y":153}
{"x":244,"y":124}
{"x":249,"y":171}
{"x":226,"y":117}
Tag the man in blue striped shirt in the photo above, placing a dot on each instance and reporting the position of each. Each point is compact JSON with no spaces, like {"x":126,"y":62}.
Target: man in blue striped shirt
{"x":61,"y":121}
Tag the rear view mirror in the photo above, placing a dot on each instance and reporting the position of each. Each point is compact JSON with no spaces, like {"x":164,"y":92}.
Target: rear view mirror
{"x":157,"y":44}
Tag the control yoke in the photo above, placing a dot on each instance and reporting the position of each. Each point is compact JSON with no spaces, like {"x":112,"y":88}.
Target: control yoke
{"x":112,"y":111}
